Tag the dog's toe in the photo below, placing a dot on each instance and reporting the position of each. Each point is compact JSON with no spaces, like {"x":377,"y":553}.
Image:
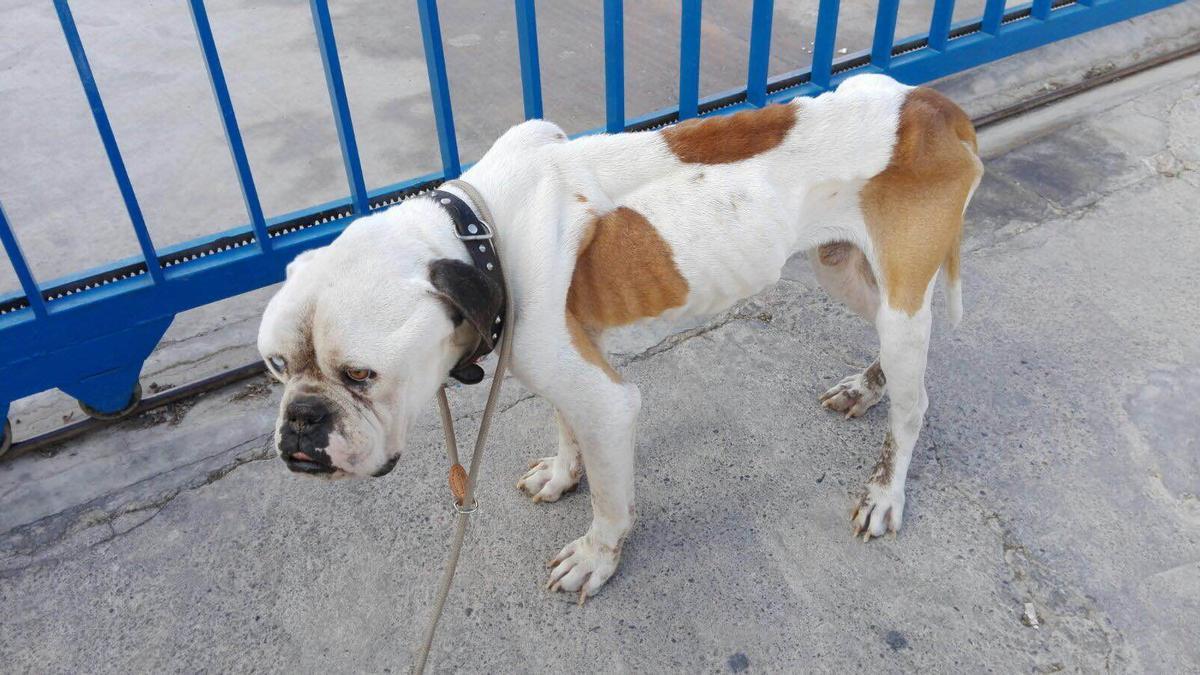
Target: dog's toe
{"x":546,"y":480}
{"x":851,"y":397}
{"x":880,"y":510}
{"x":582,"y":567}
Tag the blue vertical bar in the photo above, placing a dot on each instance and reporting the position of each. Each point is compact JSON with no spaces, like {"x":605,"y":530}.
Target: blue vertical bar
{"x":233,"y":135}
{"x":689,"y":59}
{"x":439,"y":86}
{"x":614,"y":65}
{"x":822,"y":61}
{"x":108,"y":139}
{"x":993,"y":16}
{"x":323,"y":26}
{"x":939,"y":25}
{"x":760,"y":52}
{"x":21,"y":267}
{"x":531,"y":73}
{"x":1041,"y":10}
{"x":885,"y":33}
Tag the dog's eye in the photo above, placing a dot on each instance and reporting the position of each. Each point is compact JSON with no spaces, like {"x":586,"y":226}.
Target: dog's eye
{"x":278,"y":364}
{"x":359,"y":374}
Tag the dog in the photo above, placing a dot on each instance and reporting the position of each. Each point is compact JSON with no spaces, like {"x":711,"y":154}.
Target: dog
{"x":872,"y":180}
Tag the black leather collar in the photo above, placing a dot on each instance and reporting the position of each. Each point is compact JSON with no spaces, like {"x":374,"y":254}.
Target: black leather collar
{"x":476,"y":235}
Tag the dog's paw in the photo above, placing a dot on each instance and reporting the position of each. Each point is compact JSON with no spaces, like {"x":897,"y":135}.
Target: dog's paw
{"x":880,"y":510}
{"x":548,"y":479}
{"x":583,"y":566}
{"x":852,"y":396}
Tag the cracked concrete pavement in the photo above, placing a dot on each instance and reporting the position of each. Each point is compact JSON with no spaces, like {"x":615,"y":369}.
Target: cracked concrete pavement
{"x":1059,"y":466}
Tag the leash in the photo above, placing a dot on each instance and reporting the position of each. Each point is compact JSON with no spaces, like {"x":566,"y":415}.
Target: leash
{"x":462,"y":481}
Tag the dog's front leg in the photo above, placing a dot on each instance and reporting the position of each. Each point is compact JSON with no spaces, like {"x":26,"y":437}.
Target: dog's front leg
{"x":549,"y":478}
{"x":603,"y":414}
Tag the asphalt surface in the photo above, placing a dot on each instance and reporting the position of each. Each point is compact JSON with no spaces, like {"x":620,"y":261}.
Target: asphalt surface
{"x":1058,"y":470}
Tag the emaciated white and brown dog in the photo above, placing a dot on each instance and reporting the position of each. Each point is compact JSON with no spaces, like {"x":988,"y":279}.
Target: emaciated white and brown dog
{"x":609,"y":230}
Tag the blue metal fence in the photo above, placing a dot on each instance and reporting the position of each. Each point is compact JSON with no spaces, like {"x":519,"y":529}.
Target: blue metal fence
{"x":89,"y":335}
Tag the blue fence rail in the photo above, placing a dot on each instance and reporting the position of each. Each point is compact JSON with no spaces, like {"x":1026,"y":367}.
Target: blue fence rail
{"x":89,"y":335}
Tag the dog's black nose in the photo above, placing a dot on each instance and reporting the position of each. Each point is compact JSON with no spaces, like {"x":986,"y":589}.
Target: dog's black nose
{"x":307,"y":411}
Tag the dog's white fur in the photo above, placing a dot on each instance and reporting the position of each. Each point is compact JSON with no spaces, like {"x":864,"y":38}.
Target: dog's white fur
{"x":366,"y":300}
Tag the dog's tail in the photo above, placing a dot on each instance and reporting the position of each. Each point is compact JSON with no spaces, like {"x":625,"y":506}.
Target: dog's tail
{"x":954,"y":304}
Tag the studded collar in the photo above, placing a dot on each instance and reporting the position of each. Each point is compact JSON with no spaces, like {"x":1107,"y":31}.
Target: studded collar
{"x":476,"y":233}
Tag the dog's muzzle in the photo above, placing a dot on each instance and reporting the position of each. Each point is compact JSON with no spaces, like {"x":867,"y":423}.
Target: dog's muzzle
{"x":304,"y":437}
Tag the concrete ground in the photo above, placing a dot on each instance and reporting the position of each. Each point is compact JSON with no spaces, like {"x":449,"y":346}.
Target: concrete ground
{"x":1058,"y":468}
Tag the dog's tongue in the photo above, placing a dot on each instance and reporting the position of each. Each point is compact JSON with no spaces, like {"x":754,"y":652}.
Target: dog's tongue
{"x":302,"y":457}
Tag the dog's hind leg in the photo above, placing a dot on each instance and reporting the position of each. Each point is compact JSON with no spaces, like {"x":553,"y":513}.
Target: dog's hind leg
{"x":549,"y":478}
{"x":904,"y":345}
{"x":913,"y":211}
{"x":845,"y":273}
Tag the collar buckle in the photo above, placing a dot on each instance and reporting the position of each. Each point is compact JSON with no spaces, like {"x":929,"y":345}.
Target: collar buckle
{"x":485,"y":233}
{"x":475,"y":231}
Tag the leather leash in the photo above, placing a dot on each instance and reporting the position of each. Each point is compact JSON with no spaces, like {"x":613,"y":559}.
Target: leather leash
{"x":462,"y":481}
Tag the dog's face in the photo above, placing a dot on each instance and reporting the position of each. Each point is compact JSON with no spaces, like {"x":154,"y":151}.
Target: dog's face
{"x":362,"y":334}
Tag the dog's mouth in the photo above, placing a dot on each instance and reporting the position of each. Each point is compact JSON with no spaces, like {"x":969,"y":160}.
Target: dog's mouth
{"x":300,"y":462}
{"x":387,"y":467}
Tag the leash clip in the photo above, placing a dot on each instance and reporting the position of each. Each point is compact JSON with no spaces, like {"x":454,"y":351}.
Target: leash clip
{"x":462,"y":510}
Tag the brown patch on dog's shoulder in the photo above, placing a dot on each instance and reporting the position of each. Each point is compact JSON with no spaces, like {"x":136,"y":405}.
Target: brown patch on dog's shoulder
{"x":914,"y":208}
{"x":624,"y":271}
{"x":730,"y":138}
{"x":585,"y":344}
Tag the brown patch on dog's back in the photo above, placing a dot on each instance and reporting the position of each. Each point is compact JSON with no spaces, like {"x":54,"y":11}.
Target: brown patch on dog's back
{"x":914,"y":208}
{"x":730,"y":138}
{"x":624,"y":272}
{"x":580,"y":198}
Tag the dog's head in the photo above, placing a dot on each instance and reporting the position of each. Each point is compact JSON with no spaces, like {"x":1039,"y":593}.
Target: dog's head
{"x":362,"y":333}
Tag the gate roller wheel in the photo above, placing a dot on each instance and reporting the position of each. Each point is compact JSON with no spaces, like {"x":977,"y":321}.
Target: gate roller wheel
{"x":134,"y":400}
{"x":6,"y":441}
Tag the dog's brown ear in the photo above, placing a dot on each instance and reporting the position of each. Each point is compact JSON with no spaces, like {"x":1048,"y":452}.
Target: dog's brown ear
{"x":469,"y":295}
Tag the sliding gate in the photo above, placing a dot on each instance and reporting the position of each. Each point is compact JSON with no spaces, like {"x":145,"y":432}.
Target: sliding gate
{"x":89,"y":334}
